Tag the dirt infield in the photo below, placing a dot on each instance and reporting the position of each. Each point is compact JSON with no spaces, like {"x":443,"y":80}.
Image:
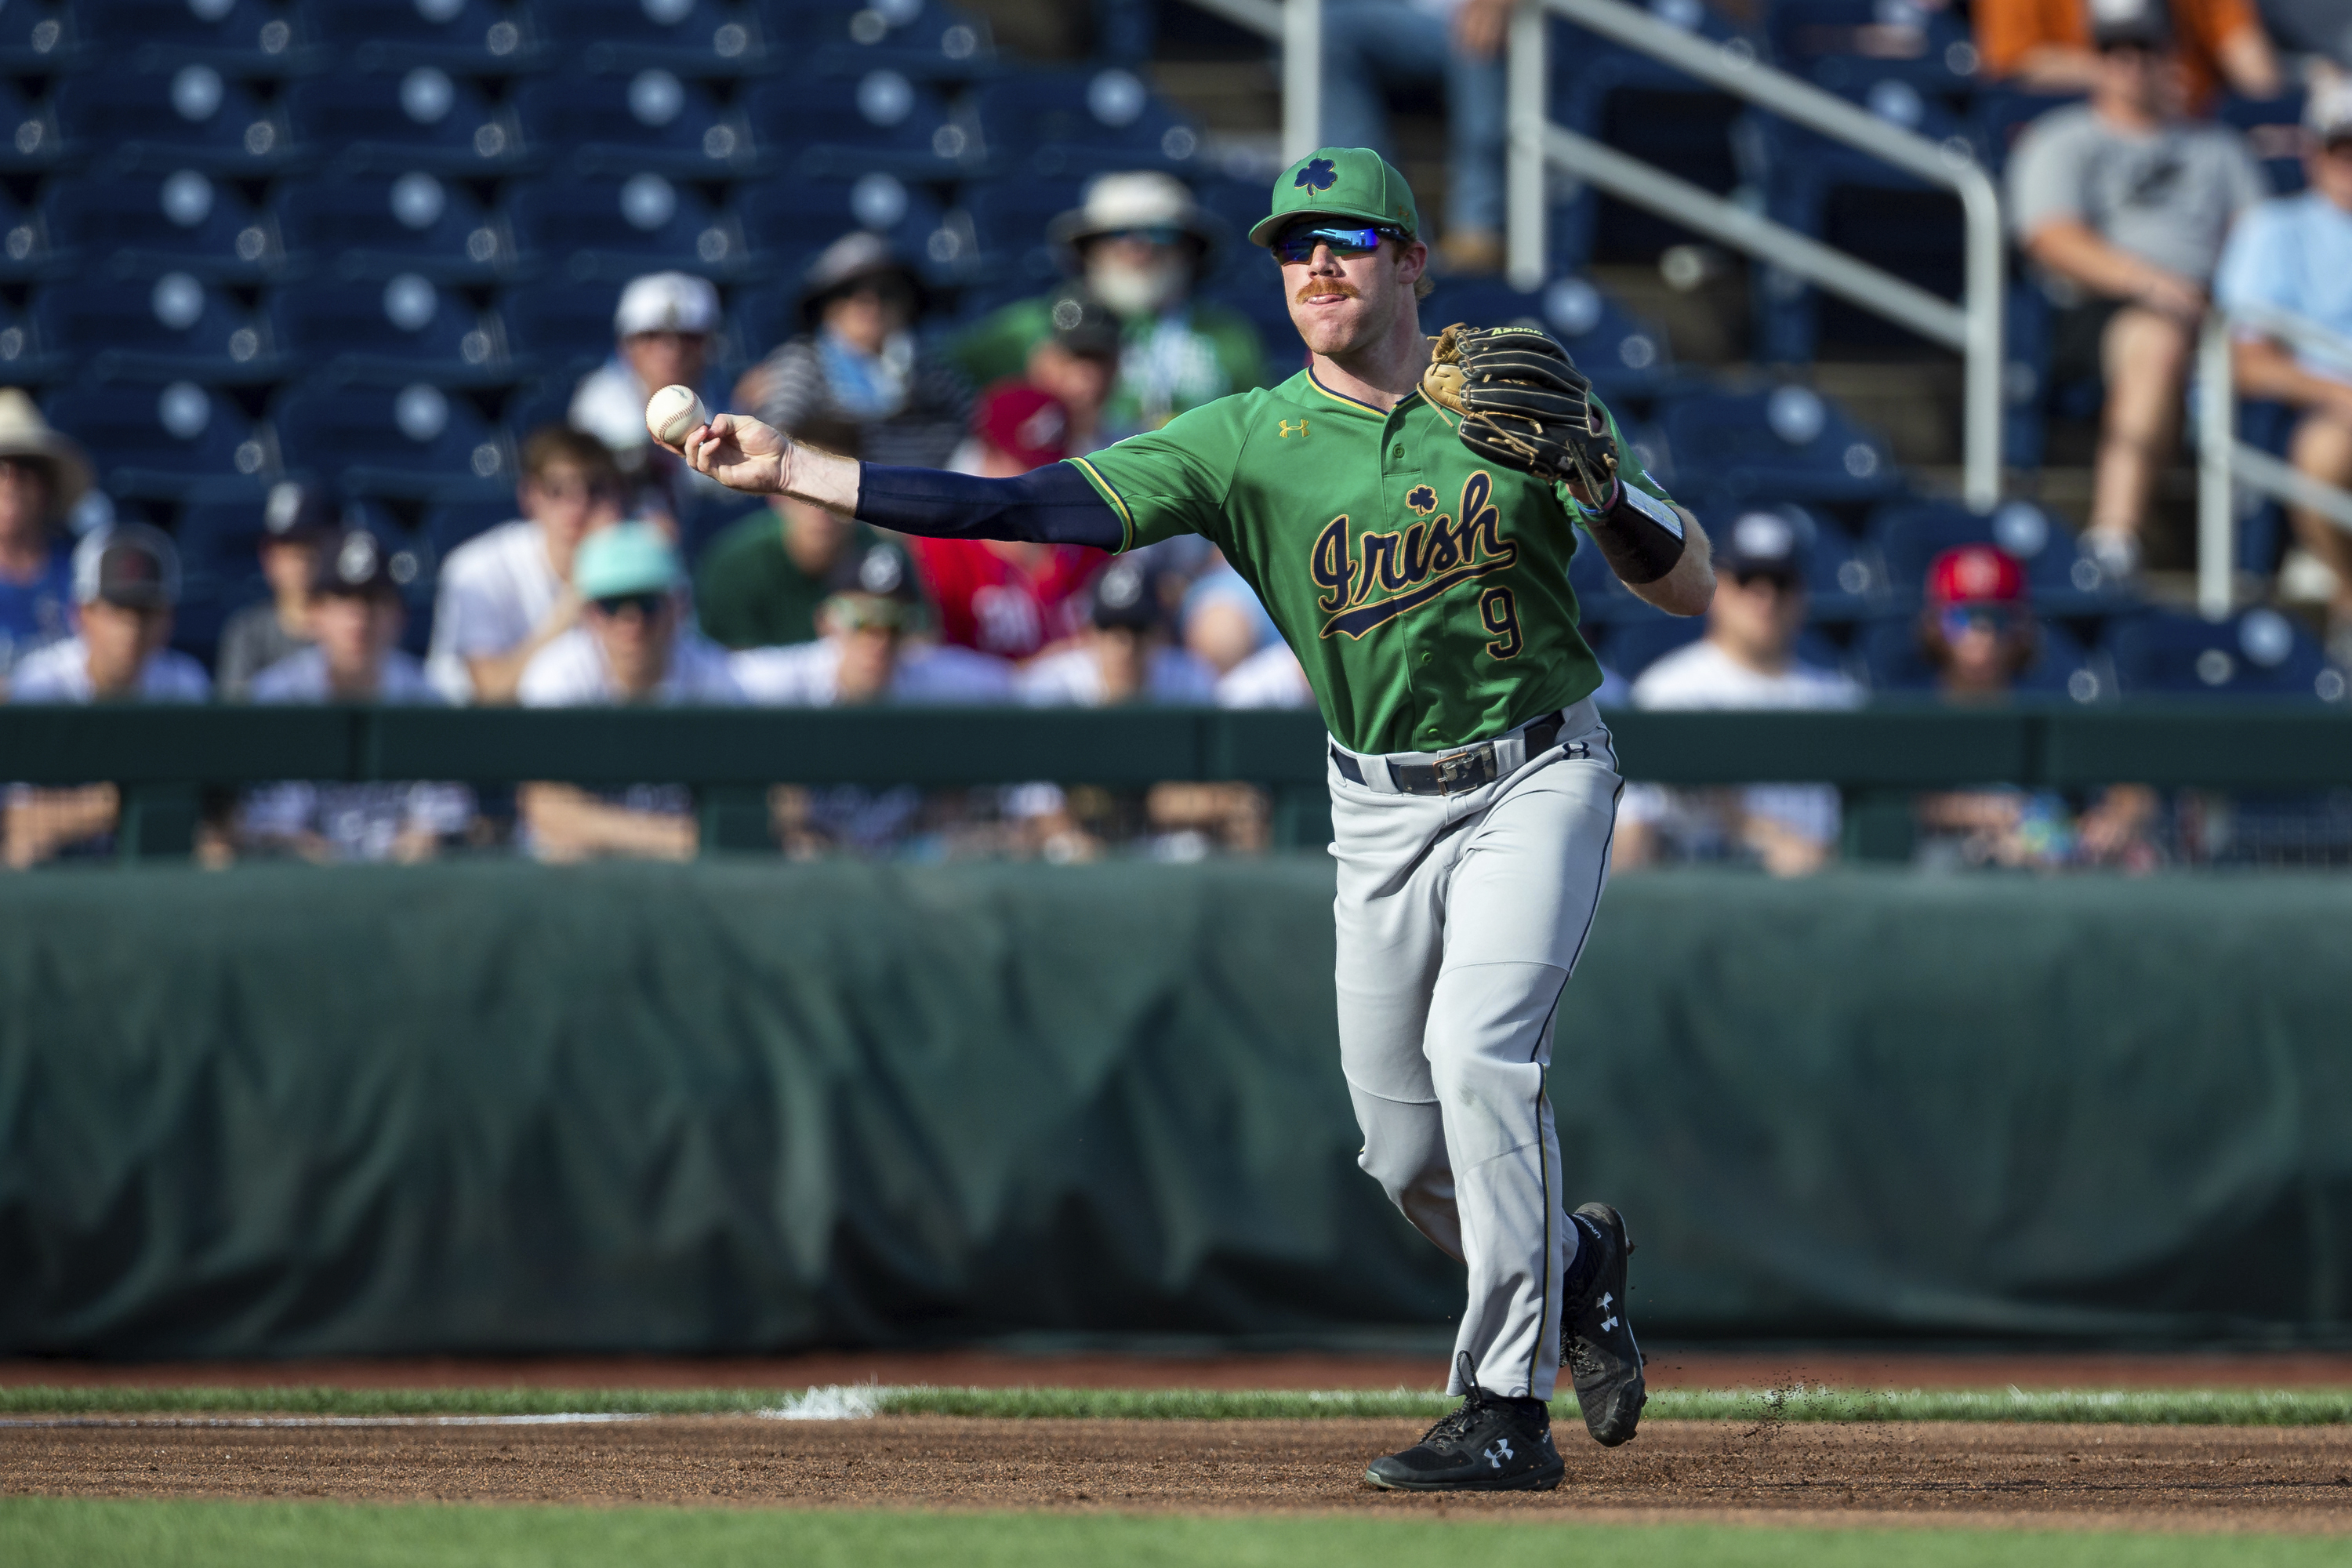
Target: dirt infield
{"x":2100,"y":1475}
{"x":1669,"y":1367}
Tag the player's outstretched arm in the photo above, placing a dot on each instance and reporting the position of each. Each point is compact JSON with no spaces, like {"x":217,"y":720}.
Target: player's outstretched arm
{"x":746,"y":454}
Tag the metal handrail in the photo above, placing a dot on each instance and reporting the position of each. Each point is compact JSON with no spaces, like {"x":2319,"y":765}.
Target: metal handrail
{"x":1297,"y":26}
{"x":1973,"y":329}
{"x":2223,"y":461}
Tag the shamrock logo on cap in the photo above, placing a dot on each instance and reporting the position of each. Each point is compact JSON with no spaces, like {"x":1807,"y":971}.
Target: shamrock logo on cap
{"x":1317,"y":175}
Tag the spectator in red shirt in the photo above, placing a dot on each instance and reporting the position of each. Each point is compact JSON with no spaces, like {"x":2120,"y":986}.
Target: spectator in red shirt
{"x":1003,"y":597}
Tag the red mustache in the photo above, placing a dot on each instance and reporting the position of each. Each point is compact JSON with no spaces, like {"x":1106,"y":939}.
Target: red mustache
{"x":1326,"y":287}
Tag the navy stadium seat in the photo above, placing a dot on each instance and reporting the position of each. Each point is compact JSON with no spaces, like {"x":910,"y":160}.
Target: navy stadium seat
{"x":920,"y":38}
{"x":26,"y":247}
{"x":625,"y":126}
{"x":391,"y":123}
{"x":617,"y":228}
{"x":786,"y":222}
{"x":30,"y":142}
{"x":246,"y":37}
{"x":560,"y":328}
{"x":193,"y":117}
{"x":847,"y":126}
{"x":1998,"y":115}
{"x":180,"y":441}
{"x":477,"y":37}
{"x":23,"y":360}
{"x":1787,"y":444}
{"x":376,"y":225}
{"x":1845,"y":578}
{"x":220,"y":541}
{"x":2259,"y":653}
{"x":2061,"y":579}
{"x":690,"y":37}
{"x":390,"y":333}
{"x":449,"y":524}
{"x":174,"y":329}
{"x":1895,"y":662}
{"x":1840,"y":42}
{"x":38,"y":39}
{"x":414,"y":441}
{"x":1010,"y":220}
{"x":2273,"y":128}
{"x":143,"y":225}
{"x":1056,"y":124}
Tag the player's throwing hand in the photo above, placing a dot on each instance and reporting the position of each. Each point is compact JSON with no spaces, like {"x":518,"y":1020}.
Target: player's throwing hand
{"x":739,"y":451}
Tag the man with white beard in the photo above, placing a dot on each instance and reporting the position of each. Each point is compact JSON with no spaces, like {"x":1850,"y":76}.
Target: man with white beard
{"x":1138,"y":246}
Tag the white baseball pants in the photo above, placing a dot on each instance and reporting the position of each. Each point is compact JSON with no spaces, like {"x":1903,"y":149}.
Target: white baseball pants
{"x":1460,"y":919}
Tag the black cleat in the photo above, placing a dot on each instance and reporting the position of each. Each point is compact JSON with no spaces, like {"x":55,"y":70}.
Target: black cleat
{"x":1489,"y":1445}
{"x":1596,"y":1339}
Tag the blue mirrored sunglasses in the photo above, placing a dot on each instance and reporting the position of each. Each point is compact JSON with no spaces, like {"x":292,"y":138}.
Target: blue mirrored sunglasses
{"x":1298,"y":244}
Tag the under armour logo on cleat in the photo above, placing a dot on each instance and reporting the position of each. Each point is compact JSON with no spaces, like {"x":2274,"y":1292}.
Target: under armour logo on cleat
{"x":1608,"y":1323}
{"x":1504,"y":1445}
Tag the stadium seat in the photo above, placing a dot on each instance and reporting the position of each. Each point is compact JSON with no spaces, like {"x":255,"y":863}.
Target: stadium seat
{"x":177,"y":442}
{"x":384,"y":122}
{"x":1838,"y":43}
{"x":1845,"y":578}
{"x":476,"y":37}
{"x":1010,"y":220}
{"x":624,"y":125}
{"x":785,"y":221}
{"x":2259,"y":653}
{"x":220,"y":541}
{"x":562,"y":328}
{"x":389,"y":333}
{"x":412,"y":441}
{"x":920,"y":38}
{"x":449,"y":524}
{"x":1059,"y":123}
{"x":242,"y":37}
{"x":25,"y":245}
{"x":193,"y":117}
{"x":30,"y":142}
{"x":2273,"y":128}
{"x":688,"y":38}
{"x":843,"y":127}
{"x":1787,"y":444}
{"x":174,"y":329}
{"x":23,"y":360}
{"x":142,"y":227}
{"x":1998,"y":115}
{"x":36,"y":39}
{"x":377,"y":227}
{"x":2060,"y":578}
{"x":616,"y":228}
{"x":1627,"y":358}
{"x":1895,"y":662}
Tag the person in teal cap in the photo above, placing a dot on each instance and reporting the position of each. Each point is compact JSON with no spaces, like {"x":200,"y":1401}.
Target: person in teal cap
{"x":1424,"y":583}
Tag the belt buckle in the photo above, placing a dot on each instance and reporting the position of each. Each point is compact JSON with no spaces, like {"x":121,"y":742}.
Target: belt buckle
{"x":1472,"y":767}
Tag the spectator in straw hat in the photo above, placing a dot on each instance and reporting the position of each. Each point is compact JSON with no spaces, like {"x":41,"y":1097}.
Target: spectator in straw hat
{"x":42,"y":475}
{"x":856,"y":362}
{"x":1140,"y":244}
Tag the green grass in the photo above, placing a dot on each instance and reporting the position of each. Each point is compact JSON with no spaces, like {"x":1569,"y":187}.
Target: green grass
{"x":55,"y":1532}
{"x":2186,"y":1407}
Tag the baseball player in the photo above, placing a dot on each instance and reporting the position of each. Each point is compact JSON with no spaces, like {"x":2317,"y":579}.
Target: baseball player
{"x":1407,"y":516}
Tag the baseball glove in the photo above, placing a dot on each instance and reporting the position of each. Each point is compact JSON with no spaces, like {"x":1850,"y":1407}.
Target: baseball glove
{"x":1523,"y":404}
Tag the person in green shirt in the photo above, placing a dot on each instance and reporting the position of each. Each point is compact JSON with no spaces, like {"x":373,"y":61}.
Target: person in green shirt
{"x":762,"y":581}
{"x":1138,"y":246}
{"x":1473,"y":788}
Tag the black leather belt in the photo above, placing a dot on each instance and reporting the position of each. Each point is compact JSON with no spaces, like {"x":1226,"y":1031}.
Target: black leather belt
{"x":1469,"y":768}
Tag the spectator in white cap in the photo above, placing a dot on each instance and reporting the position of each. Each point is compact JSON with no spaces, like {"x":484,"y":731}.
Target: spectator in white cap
{"x":1747,"y":659}
{"x":42,"y":475}
{"x":125,"y":582}
{"x":662,"y":337}
{"x":354,"y":619}
{"x":632,"y":649}
{"x":1140,"y":244}
{"x":856,"y":363}
{"x":2293,"y":256}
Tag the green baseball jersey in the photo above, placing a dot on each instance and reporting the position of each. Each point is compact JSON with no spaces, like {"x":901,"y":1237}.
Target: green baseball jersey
{"x":1424,"y":590}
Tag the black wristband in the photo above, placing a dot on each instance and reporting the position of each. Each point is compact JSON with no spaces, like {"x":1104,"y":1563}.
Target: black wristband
{"x":1640,"y":536}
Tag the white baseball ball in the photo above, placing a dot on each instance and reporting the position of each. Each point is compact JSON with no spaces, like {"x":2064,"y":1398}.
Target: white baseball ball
{"x":672,"y":414}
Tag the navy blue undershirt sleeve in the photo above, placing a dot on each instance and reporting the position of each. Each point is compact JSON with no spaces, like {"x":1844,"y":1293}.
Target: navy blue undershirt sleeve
{"x":1052,"y":505}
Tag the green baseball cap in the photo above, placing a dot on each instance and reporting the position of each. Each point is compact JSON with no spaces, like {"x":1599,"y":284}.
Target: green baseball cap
{"x":626,"y":558}
{"x":1340,"y":181}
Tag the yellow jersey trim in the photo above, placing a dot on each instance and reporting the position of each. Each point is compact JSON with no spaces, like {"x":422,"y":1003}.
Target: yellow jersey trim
{"x":1111,"y":493}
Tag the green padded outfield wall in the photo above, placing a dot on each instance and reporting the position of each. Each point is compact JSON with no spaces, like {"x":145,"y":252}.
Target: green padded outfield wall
{"x":752,"y":1105}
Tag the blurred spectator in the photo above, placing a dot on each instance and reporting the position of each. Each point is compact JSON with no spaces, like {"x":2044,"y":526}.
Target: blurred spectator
{"x":1747,"y":659}
{"x":354,"y":618}
{"x":1125,"y":654}
{"x":1076,"y":364}
{"x":861,"y":653}
{"x":1978,"y":636}
{"x":2054,"y":44}
{"x":1140,"y":245}
{"x":2295,"y":253}
{"x":2123,"y":209}
{"x":1008,"y":598}
{"x":631,"y":648}
{"x":856,"y":362}
{"x":1372,"y":45}
{"x":505,"y":595}
{"x":1270,"y":677}
{"x":295,"y":520}
{"x":125,"y":582}
{"x":42,"y":475}
{"x":663,"y":331}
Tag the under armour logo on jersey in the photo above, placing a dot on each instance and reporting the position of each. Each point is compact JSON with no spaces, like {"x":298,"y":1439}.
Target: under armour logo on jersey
{"x":1501,"y":1446}
{"x":1289,"y":427}
{"x":1318,"y":176}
